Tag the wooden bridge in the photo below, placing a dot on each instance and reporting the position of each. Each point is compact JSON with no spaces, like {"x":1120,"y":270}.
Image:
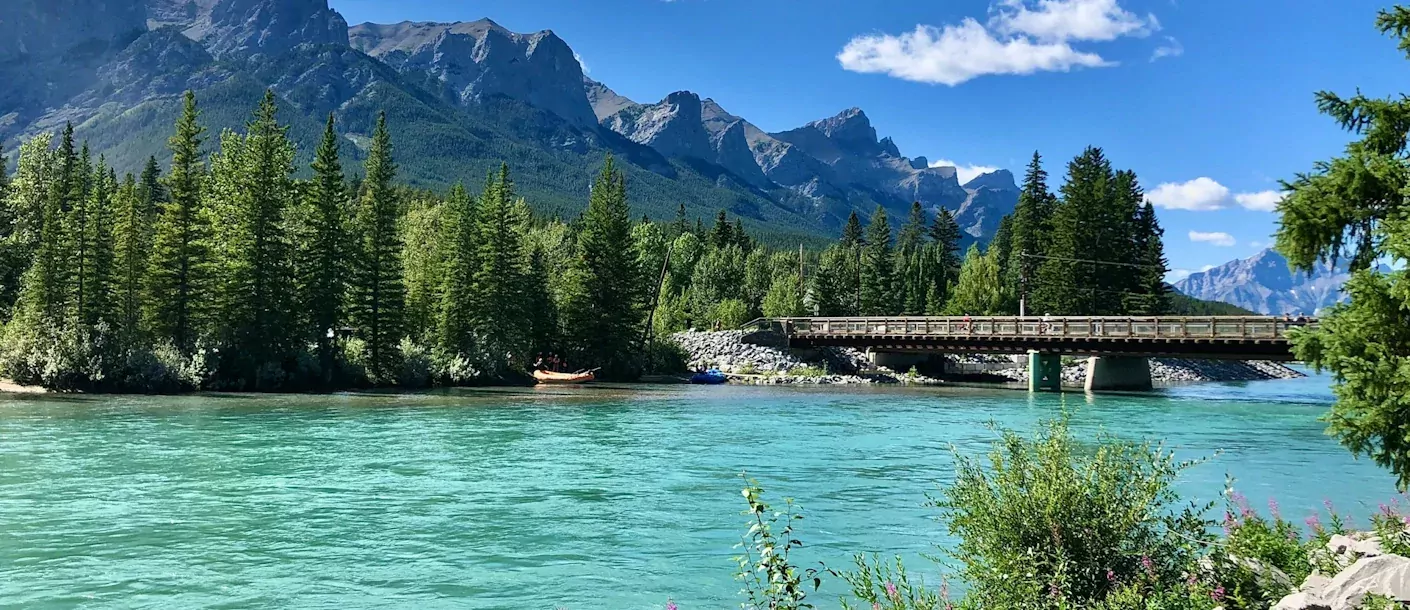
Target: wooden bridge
{"x":1048,"y":338}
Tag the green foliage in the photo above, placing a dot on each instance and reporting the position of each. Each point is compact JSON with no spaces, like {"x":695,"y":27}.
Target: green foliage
{"x":730,"y":313}
{"x":178,"y":280}
{"x":771,"y":582}
{"x":1048,"y":523}
{"x":378,"y":293}
{"x":499,"y":305}
{"x":886,"y":585}
{"x":321,"y":240}
{"x":601,"y":320}
{"x":878,"y":291}
{"x":1353,"y":205}
{"x":1182,"y":305}
{"x":978,"y":292}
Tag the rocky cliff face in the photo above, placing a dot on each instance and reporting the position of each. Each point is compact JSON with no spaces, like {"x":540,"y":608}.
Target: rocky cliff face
{"x":476,"y":60}
{"x":1264,"y":284}
{"x":605,"y":102}
{"x":36,"y":30}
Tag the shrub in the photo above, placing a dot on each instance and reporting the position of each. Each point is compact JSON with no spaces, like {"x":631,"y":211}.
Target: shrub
{"x":665,"y":357}
{"x":730,"y":313}
{"x":770,"y":581}
{"x":416,"y":366}
{"x":1046,"y":523}
{"x":884,"y":585}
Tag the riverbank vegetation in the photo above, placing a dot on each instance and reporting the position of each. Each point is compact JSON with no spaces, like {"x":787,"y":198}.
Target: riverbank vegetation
{"x":1049,"y":522}
{"x":229,"y":272}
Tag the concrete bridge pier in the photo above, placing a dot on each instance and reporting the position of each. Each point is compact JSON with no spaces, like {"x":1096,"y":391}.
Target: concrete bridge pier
{"x":1044,"y":372}
{"x":1128,"y":373}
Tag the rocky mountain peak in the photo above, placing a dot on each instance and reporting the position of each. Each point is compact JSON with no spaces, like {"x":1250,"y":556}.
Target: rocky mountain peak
{"x":1265,"y":284}
{"x":852,"y":130}
{"x":920,"y":163}
{"x":999,"y":180}
{"x":243,"y":28}
{"x":43,"y":29}
{"x":888,"y":147}
{"x":478,"y":59}
{"x":605,"y":102}
{"x":672,"y":126}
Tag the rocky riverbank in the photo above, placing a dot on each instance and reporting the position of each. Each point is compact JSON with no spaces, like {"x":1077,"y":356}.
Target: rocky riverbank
{"x":759,"y":357}
{"x":1350,"y":568}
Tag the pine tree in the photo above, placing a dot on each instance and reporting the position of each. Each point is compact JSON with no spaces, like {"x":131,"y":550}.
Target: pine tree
{"x":178,"y":280}
{"x":1029,"y":229}
{"x":132,"y":249}
{"x":852,"y":231}
{"x":878,"y":287}
{"x":541,"y":313}
{"x":1085,"y":237}
{"x":1000,"y":248}
{"x":723,"y":233}
{"x":681,"y":226}
{"x":77,"y":233}
{"x":499,"y":277}
{"x":253,"y":182}
{"x":378,"y":295}
{"x":832,"y":290}
{"x":460,"y":244}
{"x":741,"y":237}
{"x":149,"y":186}
{"x":602,"y":323}
{"x":1154,"y":297}
{"x":912,"y":233}
{"x":945,"y":235}
{"x":97,"y":270}
{"x":324,"y":248}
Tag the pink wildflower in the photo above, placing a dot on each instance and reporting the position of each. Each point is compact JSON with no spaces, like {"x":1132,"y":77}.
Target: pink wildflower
{"x":1110,"y":575}
{"x":876,"y":606}
{"x":670,"y":605}
{"x":1327,"y":503}
{"x":891,"y":590}
{"x":1273,"y":508}
{"x":1053,"y":590}
{"x":1314,"y":523}
{"x":1217,"y":594}
{"x":1148,"y":565}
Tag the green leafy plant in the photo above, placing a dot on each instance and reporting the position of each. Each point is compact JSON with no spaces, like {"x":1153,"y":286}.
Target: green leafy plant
{"x":771,"y":582}
{"x":886,"y":585}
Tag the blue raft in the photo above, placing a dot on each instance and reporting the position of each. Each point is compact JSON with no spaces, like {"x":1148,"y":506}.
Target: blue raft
{"x":710,"y":377}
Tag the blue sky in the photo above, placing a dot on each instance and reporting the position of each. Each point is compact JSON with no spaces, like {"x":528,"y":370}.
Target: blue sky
{"x":1209,"y":101}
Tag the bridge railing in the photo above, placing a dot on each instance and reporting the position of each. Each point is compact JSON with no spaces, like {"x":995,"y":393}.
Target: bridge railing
{"x":1182,"y":327}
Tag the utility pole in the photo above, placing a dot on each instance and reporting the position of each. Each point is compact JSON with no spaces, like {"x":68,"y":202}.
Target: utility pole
{"x":1022,"y":284}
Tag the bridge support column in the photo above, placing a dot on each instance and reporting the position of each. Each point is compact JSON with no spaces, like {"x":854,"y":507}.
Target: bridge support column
{"x":1107,"y":373}
{"x":1044,"y":372}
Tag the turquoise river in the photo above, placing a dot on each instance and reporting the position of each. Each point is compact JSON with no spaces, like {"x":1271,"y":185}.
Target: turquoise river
{"x":600,"y":498}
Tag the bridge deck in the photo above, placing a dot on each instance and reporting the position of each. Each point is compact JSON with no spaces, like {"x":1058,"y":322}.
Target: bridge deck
{"x":1202,"y":337}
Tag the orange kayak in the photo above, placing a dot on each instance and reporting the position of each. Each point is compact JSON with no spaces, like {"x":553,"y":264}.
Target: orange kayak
{"x":552,"y":377}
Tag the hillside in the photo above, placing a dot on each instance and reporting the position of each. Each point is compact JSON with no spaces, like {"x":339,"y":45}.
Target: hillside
{"x":463,"y":97}
{"x":1264,"y":284}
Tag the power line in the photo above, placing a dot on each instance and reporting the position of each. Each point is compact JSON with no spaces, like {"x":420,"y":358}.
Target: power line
{"x":1088,"y":260}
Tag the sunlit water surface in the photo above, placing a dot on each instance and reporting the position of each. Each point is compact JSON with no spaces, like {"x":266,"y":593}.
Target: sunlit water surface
{"x":605,"y":497}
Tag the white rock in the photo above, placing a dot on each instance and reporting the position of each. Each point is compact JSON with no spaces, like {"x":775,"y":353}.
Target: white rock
{"x":1340,"y":544}
{"x":1369,"y":547}
{"x":1387,"y":575}
{"x":1302,"y":601}
{"x":1314,"y":583}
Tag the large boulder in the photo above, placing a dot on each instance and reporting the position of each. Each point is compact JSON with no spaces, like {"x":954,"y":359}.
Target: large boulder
{"x":1387,"y":575}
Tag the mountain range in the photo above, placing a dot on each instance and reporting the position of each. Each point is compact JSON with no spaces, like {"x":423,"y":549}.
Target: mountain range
{"x":1264,"y":284}
{"x":462,"y":98}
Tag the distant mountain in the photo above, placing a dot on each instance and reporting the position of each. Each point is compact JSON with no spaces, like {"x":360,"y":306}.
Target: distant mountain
{"x":462,"y":97}
{"x":1264,"y":284}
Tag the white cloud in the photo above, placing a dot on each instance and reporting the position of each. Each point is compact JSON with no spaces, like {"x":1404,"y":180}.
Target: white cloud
{"x":964,"y":173}
{"x":581,"y":62}
{"x":1262,"y":201}
{"x":957,"y":53}
{"x":1064,"y":20}
{"x":1206,"y":268}
{"x":1175,"y":275}
{"x":1021,"y":37}
{"x":1171,"y":48}
{"x":1216,"y":238}
{"x":1198,"y":195}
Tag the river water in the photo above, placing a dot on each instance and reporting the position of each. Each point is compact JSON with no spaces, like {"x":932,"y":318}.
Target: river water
{"x":598,"y":498}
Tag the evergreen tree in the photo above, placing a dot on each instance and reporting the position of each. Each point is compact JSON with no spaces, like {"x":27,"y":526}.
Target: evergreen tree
{"x":977,"y":293}
{"x":741,"y":238}
{"x":26,"y":202}
{"x":1153,"y":297}
{"x":252,"y":192}
{"x":723,"y":233}
{"x":912,"y":233}
{"x":1028,"y":229}
{"x":149,"y":186}
{"x":324,"y":248}
{"x":97,"y":249}
{"x":378,"y":295}
{"x":833,"y":290}
{"x":852,"y":231}
{"x":602,"y":323}
{"x":540,"y":312}
{"x":681,"y":226}
{"x":499,"y":278}
{"x":77,"y":233}
{"x":877,"y":286}
{"x":132,"y":249}
{"x":945,"y":235}
{"x":460,"y":245}
{"x":178,"y":280}
{"x":1001,"y":249}
{"x":1077,"y":280}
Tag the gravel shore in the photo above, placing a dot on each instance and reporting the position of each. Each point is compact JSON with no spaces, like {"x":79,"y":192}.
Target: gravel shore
{"x":761,"y":358}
